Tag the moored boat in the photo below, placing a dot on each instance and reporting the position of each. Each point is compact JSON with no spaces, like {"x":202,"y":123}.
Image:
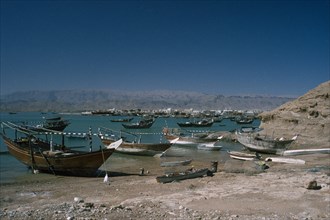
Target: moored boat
{"x":175,"y":163}
{"x":306,"y":151}
{"x":144,"y":149}
{"x":177,"y":176}
{"x":209,"y":147}
{"x":142,"y":124}
{"x":56,"y":123}
{"x":47,"y":157}
{"x":243,"y":156}
{"x":191,"y":140}
{"x":121,"y":119}
{"x":201,"y":123}
{"x":255,"y":142}
{"x":134,"y":147}
{"x":285,"y":160}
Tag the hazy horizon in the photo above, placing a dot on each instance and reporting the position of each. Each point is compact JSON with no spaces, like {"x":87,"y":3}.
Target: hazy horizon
{"x":151,"y":91}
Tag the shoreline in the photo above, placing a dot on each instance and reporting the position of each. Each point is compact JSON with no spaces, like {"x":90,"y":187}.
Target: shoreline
{"x":278,"y":193}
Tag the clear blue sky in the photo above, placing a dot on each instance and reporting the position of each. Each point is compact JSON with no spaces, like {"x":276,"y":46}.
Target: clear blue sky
{"x":218,"y":47}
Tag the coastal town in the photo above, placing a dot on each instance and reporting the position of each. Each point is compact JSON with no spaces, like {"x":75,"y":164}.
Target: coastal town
{"x":233,"y":185}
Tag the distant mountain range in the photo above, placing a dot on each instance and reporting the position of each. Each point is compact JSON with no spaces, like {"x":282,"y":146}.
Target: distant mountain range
{"x":89,"y":100}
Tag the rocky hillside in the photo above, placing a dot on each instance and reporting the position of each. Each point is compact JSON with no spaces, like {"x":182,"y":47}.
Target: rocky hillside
{"x":84,"y":100}
{"x":308,"y":116}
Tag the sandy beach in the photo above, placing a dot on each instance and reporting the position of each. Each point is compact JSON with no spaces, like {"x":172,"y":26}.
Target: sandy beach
{"x":280,"y":192}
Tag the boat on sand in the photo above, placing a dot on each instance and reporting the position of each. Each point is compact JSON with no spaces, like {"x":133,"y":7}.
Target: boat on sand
{"x":177,"y":176}
{"x":175,"y":163}
{"x":209,"y":147}
{"x":284,"y":160}
{"x":134,"y":146}
{"x":243,"y":156}
{"x":191,"y":140}
{"x":45,"y":156}
{"x":255,"y":142}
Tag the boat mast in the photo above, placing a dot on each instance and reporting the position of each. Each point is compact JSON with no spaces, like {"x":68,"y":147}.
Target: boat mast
{"x":31,"y":153}
{"x":90,"y":139}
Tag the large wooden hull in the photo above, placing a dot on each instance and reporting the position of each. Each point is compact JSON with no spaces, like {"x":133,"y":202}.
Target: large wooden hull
{"x":269,"y":146}
{"x":72,"y":163}
{"x":145,"y":149}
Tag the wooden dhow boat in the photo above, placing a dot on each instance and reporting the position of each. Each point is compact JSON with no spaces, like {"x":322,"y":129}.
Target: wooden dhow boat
{"x":135,"y":147}
{"x":44,"y":156}
{"x":255,"y":142}
{"x":201,"y":123}
{"x":121,"y":119}
{"x":191,"y":140}
{"x":142,"y":124}
{"x":56,"y":123}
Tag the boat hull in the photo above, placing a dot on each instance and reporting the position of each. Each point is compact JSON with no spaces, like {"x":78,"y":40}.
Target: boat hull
{"x":208,"y":147}
{"x":182,"y":176}
{"x":188,"y":125}
{"x":175,"y":163}
{"x":143,"y":149}
{"x":242,"y":156}
{"x":190,"y":141}
{"x":269,"y":146}
{"x":71,"y":163}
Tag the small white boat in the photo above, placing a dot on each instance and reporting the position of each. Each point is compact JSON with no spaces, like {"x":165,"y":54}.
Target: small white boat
{"x":243,"y":156}
{"x":284,"y":160}
{"x":208,"y":147}
{"x":306,"y":151}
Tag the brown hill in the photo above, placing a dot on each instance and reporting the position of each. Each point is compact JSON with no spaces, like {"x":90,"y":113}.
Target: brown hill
{"x":308,"y":116}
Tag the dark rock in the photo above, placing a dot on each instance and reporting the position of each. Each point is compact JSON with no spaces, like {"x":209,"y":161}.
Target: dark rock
{"x":313,"y":185}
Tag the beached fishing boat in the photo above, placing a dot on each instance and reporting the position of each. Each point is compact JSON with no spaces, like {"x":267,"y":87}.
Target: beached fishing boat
{"x":284,"y":160}
{"x":243,"y":156}
{"x":175,"y":163}
{"x":306,"y":151}
{"x":191,"y":140}
{"x":177,"y":176}
{"x":135,"y":146}
{"x":143,"y":149}
{"x":209,"y":147}
{"x":45,"y":156}
{"x":255,"y":142}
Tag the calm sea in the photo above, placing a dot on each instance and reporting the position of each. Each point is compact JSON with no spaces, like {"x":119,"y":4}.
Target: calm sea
{"x":11,"y":169}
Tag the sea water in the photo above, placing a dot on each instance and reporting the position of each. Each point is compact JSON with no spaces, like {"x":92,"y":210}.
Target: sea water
{"x":10,"y":168}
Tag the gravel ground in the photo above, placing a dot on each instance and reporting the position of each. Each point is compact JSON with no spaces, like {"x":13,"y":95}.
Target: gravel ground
{"x":280,"y":192}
